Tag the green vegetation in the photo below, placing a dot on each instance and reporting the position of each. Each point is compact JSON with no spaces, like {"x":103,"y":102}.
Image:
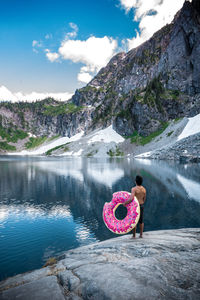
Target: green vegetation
{"x":171,"y":94}
{"x":102,"y":112}
{"x":178,"y":119}
{"x":67,"y":108}
{"x":148,"y":57}
{"x":53,"y":137}
{"x":125,"y":114}
{"x":6,"y":146}
{"x":132,"y":136}
{"x":35,"y":142}
{"x":175,"y":94}
{"x":143,"y":140}
{"x":123,"y":97}
{"x":170,"y":133}
{"x":139,"y":98}
{"x":115,"y":152}
{"x":90,"y":154}
{"x":22,"y":119}
{"x":63,"y":147}
{"x":88,"y":88}
{"x":21,"y":107}
{"x":153,"y":91}
{"x":12,"y":135}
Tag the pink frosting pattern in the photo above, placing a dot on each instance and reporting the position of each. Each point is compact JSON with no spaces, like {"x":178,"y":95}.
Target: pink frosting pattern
{"x":129,"y":222}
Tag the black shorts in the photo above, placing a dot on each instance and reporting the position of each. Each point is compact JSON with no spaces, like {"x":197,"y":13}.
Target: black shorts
{"x":141,"y":214}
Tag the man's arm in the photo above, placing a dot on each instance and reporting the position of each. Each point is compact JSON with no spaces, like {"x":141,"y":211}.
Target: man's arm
{"x":131,"y":197}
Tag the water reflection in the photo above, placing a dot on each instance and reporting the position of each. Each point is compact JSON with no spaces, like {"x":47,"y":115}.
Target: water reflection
{"x":50,"y":205}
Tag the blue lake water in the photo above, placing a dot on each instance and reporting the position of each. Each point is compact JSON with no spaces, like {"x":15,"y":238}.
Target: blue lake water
{"x":51,"y":205}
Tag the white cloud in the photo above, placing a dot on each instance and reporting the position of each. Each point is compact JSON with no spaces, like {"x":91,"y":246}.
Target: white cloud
{"x":72,"y":34}
{"x":7,"y":95}
{"x":93,"y":52}
{"x":152,"y":15}
{"x":73,"y":26}
{"x":84,"y":77}
{"x":52,"y":56}
{"x":36,"y":45}
{"x":128,"y":4}
{"x":48,"y":36}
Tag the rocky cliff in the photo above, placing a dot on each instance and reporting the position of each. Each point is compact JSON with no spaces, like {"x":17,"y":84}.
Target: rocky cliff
{"x":138,"y":92}
{"x":162,"y":265}
{"x":155,"y":82}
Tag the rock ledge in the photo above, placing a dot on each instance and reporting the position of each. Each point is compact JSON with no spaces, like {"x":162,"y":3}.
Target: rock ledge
{"x":163,"y":265}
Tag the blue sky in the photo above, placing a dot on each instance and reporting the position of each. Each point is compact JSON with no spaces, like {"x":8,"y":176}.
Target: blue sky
{"x":50,"y":45}
{"x":21,"y":22}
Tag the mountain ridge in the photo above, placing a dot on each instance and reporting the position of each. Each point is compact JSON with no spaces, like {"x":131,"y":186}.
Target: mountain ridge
{"x":138,"y":92}
{"x":164,"y":63}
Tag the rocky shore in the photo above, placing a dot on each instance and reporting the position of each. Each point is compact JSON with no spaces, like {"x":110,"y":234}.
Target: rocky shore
{"x":185,"y":150}
{"x":163,"y":265}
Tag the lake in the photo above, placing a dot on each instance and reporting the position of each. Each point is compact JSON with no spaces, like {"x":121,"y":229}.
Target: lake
{"x":51,"y":205}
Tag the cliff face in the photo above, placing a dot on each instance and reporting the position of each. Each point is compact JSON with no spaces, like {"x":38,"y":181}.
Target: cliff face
{"x":157,"y":81}
{"x":137,"y":91}
{"x":47,"y":117}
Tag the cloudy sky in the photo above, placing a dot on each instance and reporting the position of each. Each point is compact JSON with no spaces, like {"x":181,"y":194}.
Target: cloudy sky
{"x":56,"y":46}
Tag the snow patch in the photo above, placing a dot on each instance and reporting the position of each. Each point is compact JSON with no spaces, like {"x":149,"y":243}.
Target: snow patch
{"x":78,"y":153}
{"x":106,"y":135}
{"x":192,"y":127}
{"x":43,"y":149}
{"x":31,"y":135}
{"x":143,"y":155}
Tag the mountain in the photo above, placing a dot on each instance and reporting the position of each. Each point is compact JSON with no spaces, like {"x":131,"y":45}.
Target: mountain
{"x":138,"y":92}
{"x":155,"y":82}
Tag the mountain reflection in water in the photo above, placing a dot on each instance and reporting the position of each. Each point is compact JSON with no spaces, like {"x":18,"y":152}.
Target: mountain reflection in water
{"x":50,"y":205}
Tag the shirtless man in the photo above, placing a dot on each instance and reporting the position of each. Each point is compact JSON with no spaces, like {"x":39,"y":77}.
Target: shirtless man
{"x":140,"y":193}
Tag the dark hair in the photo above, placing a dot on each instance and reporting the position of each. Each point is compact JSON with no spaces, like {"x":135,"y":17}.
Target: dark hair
{"x":138,"y":180}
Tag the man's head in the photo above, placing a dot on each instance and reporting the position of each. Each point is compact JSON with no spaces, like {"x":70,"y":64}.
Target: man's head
{"x":138,"y":180}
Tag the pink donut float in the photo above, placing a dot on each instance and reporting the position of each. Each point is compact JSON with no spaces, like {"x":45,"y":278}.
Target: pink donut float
{"x":129,"y":222}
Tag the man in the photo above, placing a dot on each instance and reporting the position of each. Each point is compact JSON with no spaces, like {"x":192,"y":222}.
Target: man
{"x":140,"y":193}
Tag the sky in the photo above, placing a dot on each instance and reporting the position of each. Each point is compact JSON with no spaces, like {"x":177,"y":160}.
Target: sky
{"x":53,"y":47}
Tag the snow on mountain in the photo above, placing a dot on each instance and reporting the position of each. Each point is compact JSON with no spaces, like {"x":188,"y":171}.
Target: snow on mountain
{"x":192,"y":127}
{"x":43,"y":149}
{"x":106,"y":135}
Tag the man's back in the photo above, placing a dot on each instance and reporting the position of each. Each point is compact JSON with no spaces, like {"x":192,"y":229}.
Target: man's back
{"x":140,"y":193}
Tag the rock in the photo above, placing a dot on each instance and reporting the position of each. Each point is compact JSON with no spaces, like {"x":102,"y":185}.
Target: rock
{"x":69,"y":280}
{"x":25,"y":278}
{"x":185,"y":150}
{"x":163,"y":265}
{"x":45,"y":288}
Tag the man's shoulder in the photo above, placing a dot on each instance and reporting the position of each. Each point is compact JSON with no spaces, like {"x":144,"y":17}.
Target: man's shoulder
{"x":144,"y":189}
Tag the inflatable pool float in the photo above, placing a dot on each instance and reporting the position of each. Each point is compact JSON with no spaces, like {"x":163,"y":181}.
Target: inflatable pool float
{"x":129,"y":222}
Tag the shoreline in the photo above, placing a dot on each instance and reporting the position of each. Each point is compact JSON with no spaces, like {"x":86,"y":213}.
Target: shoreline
{"x":163,"y":265}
